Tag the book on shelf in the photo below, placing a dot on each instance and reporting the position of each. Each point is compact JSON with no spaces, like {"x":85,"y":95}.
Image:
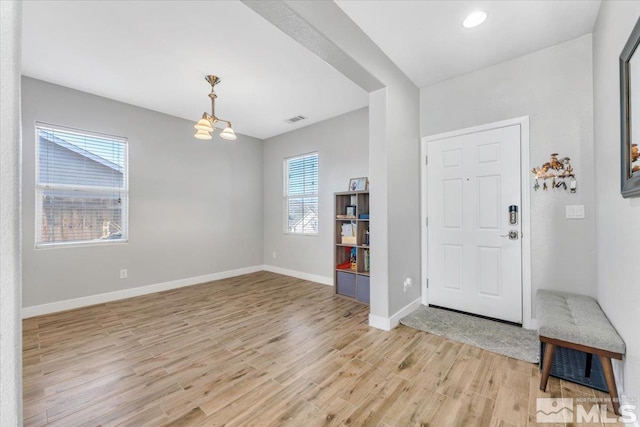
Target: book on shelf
{"x":367,"y":263}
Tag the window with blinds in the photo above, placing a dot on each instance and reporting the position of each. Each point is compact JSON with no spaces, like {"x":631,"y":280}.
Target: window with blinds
{"x":301,"y":194}
{"x":81,"y":187}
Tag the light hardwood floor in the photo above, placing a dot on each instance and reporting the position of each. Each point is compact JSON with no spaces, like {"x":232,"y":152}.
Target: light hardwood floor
{"x":264,"y":350}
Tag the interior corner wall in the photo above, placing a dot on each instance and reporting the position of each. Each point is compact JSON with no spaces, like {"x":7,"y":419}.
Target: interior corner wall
{"x":618,"y":225}
{"x":10,"y":258}
{"x":403,"y":194}
{"x":396,"y":199}
{"x":554,"y":87}
{"x":342,"y":144}
{"x":379,"y":223}
{"x":195,"y":207}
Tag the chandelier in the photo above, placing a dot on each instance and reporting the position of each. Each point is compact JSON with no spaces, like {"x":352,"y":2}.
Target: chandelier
{"x":207,"y":123}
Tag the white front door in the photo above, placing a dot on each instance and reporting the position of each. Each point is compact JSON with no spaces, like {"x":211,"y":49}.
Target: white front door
{"x":473,"y":263}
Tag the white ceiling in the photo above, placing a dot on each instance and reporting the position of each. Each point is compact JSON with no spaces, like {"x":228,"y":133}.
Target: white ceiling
{"x":427,"y":41}
{"x":155,"y":54}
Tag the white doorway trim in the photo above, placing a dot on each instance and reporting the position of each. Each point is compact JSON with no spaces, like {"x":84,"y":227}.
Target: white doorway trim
{"x":523,"y":122}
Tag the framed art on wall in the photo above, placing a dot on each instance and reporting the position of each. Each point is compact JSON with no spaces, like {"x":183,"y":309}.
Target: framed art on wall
{"x":630,"y":116}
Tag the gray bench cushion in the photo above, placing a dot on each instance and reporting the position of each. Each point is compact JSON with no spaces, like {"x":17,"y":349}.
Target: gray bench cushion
{"x":577,"y":319}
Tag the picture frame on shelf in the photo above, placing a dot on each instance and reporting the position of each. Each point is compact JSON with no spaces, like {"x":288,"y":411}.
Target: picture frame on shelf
{"x":350,"y":211}
{"x":358,"y":184}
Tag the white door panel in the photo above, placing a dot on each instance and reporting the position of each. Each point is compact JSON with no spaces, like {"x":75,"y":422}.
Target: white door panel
{"x":472,"y":180}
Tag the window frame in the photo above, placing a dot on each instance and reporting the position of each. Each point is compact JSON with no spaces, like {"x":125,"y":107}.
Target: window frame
{"x":39,"y":188}
{"x":287,"y":197}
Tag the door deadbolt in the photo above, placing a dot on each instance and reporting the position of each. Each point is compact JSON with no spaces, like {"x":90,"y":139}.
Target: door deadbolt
{"x":513,"y":235}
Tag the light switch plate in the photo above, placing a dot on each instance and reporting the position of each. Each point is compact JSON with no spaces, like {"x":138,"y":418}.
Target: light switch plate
{"x":574,"y":211}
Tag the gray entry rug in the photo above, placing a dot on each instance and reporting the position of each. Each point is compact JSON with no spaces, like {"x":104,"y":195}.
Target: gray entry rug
{"x":501,"y":338}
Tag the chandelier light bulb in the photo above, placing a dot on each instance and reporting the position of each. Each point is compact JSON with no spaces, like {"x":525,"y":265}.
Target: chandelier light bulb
{"x":202,"y":134}
{"x":204,"y":124}
{"x":228,"y":134}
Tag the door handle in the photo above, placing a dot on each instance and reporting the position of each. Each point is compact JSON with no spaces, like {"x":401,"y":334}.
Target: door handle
{"x":513,"y":235}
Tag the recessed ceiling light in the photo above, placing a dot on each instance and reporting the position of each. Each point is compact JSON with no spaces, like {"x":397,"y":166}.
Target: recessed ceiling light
{"x":474,"y":19}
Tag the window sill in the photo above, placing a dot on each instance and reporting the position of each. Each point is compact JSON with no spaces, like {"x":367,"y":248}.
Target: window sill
{"x":289,"y":233}
{"x":93,"y":243}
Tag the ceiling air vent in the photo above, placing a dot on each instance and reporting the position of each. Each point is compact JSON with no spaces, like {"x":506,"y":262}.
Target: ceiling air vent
{"x":295,"y":119}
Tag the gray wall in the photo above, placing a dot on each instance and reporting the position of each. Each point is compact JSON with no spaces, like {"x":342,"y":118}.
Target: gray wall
{"x":402,"y":165}
{"x":195,"y":206}
{"x":554,"y":88}
{"x":342,"y":144}
{"x":10,"y":274}
{"x":618,"y":225}
{"x":393,"y":160}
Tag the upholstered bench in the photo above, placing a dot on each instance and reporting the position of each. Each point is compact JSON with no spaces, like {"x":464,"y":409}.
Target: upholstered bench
{"x":577,"y":322}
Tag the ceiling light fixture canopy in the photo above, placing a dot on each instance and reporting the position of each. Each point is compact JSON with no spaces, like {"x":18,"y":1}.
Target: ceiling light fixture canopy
{"x":474,"y":19}
{"x":207,"y":123}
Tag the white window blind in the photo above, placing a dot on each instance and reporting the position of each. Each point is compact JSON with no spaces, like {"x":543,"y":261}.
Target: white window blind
{"x":301,"y":194}
{"x":81,"y":187}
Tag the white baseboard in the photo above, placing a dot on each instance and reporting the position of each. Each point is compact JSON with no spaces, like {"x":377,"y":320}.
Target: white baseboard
{"x":404,"y":312}
{"x":379,"y":322}
{"x":618,"y":373}
{"x":533,"y":325}
{"x":38,"y":310}
{"x":300,"y":275}
{"x":387,"y":324}
{"x":631,"y":424}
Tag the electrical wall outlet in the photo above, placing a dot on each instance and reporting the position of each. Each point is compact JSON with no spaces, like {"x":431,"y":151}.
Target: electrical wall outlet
{"x":123,"y":273}
{"x":274,"y":255}
{"x":408,"y":282}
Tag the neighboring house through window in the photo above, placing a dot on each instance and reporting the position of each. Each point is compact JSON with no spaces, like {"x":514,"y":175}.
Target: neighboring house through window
{"x":301,"y":194}
{"x":81,"y":187}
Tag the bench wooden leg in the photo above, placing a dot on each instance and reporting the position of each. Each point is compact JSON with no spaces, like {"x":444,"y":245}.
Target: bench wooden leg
{"x":611,"y":382}
{"x":546,"y":364}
